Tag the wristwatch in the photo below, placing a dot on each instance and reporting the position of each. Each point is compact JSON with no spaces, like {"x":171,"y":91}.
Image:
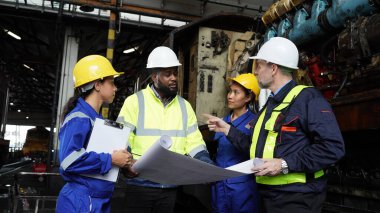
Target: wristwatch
{"x":284,"y":167}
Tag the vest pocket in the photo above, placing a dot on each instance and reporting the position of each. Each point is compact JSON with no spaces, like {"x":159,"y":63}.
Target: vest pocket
{"x":288,"y":130}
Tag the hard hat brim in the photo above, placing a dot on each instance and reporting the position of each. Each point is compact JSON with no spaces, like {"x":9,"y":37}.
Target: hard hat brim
{"x":115,"y":75}
{"x":259,"y":58}
{"x":118,"y":74}
{"x":149,"y":66}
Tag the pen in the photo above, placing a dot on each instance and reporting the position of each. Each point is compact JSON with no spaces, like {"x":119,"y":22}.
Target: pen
{"x":135,"y":154}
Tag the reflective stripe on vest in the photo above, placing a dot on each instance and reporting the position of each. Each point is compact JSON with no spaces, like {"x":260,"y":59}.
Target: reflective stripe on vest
{"x":121,"y":120}
{"x":270,"y":143}
{"x":72,"y":157}
{"x":142,"y":131}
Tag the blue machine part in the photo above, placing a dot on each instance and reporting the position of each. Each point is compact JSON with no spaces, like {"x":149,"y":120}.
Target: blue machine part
{"x":342,"y":10}
{"x":284,"y":27}
{"x":307,"y":26}
{"x":271,"y":32}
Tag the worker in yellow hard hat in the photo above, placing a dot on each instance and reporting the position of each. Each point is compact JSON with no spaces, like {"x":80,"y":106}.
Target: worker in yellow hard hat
{"x":237,"y":194}
{"x":94,"y":84}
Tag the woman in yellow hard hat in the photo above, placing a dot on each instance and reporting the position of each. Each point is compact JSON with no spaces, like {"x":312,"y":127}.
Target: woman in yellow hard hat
{"x":94,"y":85}
{"x":236,"y":194}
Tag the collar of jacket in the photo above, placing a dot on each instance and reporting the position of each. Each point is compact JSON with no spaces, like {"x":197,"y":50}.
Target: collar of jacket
{"x":153,"y":92}
{"x":277,"y":99}
{"x":88,"y":109}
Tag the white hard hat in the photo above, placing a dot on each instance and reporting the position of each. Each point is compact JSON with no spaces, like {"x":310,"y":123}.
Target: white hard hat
{"x":162,"y":57}
{"x":280,"y":51}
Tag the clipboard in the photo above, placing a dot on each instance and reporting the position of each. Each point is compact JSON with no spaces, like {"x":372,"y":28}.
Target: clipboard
{"x":107,"y":136}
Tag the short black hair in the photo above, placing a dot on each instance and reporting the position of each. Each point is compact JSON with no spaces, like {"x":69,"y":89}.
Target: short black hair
{"x":153,"y":70}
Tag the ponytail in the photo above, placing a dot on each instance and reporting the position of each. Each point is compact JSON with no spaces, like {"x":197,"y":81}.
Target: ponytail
{"x":72,"y":102}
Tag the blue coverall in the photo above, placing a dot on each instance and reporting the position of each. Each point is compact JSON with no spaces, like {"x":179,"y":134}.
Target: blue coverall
{"x":234,"y":194}
{"x":80,"y":193}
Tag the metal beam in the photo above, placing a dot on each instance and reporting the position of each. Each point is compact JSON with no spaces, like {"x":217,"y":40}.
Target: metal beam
{"x":35,"y":119}
{"x":128,"y":8}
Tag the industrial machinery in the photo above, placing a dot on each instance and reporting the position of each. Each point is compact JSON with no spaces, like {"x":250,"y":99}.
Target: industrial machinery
{"x":339,"y":43}
{"x":36,"y":147}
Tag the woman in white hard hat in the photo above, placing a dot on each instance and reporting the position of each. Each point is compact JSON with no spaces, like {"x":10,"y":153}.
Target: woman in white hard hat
{"x":94,"y":84}
{"x":237,"y":194}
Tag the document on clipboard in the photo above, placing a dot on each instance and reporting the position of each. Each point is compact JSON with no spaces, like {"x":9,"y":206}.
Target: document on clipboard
{"x":107,"y":136}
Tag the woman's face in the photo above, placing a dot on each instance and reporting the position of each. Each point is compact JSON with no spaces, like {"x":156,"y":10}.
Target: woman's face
{"x":107,"y":90}
{"x":237,"y":97}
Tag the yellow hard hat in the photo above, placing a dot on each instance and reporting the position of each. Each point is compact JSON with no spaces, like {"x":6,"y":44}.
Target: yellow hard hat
{"x":248,"y":81}
{"x":91,"y":68}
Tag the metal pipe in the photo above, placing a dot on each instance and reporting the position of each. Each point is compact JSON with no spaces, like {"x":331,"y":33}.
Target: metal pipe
{"x":341,"y":86}
{"x":128,"y":8}
{"x":305,"y":26}
{"x":322,"y":19}
{"x":13,"y":170}
{"x":342,"y":10}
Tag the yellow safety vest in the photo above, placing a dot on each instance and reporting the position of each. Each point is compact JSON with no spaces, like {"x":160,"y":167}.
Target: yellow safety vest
{"x":270,"y":143}
{"x":146,"y":113}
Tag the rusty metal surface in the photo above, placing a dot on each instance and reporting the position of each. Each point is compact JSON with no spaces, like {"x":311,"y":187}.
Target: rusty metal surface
{"x":279,"y":9}
{"x":358,"y":111}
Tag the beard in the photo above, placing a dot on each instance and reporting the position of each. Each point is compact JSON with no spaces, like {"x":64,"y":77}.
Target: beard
{"x":265,"y":84}
{"x":165,"y":90}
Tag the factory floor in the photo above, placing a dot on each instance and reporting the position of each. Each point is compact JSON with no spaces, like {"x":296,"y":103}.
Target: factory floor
{"x":22,"y":190}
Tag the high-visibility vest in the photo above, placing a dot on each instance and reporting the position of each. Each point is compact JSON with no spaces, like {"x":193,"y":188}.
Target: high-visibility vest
{"x":270,"y":143}
{"x":151,"y":120}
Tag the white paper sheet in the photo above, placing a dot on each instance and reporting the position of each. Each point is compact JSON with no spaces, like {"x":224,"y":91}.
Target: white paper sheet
{"x":244,"y":167}
{"x":166,"y":167}
{"x":106,"y":138}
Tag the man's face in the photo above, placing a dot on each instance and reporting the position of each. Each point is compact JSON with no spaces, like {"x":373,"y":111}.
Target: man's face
{"x":263,"y":73}
{"x":165,"y":81}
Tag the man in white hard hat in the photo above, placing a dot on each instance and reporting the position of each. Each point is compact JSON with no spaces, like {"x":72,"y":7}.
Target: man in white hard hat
{"x":296,"y":134}
{"x":155,"y":111}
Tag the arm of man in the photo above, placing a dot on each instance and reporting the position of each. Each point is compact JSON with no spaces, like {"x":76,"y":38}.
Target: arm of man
{"x":195,"y":145}
{"x":128,"y":115}
{"x":326,"y":146}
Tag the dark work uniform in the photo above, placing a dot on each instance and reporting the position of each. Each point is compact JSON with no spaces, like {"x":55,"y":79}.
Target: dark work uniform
{"x":314,"y":143}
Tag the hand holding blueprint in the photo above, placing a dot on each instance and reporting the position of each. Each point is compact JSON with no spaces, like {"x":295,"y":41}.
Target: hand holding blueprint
{"x":163,"y":166}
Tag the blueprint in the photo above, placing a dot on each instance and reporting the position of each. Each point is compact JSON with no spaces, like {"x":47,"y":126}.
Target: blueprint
{"x":161,"y":165}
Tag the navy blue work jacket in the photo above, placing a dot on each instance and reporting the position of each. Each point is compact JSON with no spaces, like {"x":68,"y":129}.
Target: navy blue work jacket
{"x":310,"y":142}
